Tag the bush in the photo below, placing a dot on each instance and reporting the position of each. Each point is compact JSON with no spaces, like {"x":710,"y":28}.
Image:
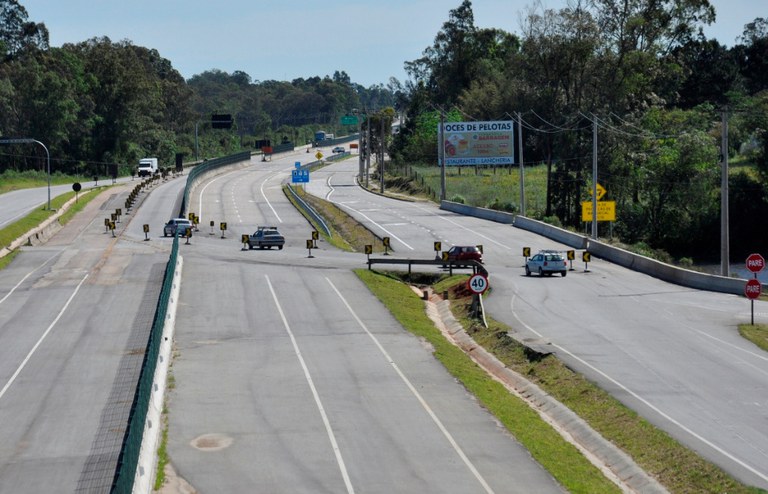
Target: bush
{"x":552,"y":220}
{"x":502,"y":206}
{"x":458,"y":198}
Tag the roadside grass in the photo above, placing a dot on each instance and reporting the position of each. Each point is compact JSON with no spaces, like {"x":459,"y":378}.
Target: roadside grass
{"x":679,"y":469}
{"x":757,"y":334}
{"x":484,"y":187}
{"x":40,"y":214}
{"x":12,"y":180}
{"x":564,"y":462}
{"x":346,"y":233}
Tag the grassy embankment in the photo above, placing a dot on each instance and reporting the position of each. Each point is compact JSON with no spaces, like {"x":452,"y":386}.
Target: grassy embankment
{"x":677,"y":468}
{"x":38,"y":215}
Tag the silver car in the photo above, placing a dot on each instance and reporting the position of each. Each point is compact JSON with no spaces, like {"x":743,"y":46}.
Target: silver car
{"x":177,"y":225}
{"x":546,"y":262}
{"x":266,"y":236}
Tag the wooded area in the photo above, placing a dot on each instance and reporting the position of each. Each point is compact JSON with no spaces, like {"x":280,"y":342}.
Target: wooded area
{"x":658,"y":90}
{"x":642,"y":70}
{"x":100,"y":103}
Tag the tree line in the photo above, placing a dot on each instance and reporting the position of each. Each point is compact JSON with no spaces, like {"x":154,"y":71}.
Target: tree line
{"x":99,"y":104}
{"x":657,"y":90}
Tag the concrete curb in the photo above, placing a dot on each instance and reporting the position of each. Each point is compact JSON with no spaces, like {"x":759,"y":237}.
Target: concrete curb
{"x":146,"y":470}
{"x":614,"y":463}
{"x":43,"y":232}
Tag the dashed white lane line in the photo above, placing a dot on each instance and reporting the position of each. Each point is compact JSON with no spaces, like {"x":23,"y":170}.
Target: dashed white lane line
{"x":40,"y":341}
{"x":315,"y":394}
{"x":416,"y":393}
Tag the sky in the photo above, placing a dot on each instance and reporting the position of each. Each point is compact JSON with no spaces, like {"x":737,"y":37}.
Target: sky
{"x":289,"y":39}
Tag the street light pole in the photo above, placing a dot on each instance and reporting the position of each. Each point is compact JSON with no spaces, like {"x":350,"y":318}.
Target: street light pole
{"x":47,"y":154}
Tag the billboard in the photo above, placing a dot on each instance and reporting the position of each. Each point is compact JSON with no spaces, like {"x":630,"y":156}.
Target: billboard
{"x":478,"y":143}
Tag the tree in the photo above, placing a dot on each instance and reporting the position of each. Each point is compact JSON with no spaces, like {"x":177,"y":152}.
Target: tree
{"x":711,"y":72}
{"x":16,"y":33}
{"x":754,"y":55}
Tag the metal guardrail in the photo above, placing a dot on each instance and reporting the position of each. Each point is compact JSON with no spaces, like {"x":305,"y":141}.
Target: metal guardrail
{"x":207,"y":167}
{"x":310,"y":211}
{"x":476,"y":266}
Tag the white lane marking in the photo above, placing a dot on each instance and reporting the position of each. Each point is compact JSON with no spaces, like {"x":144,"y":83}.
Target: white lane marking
{"x":27,"y":276}
{"x":200,"y":200}
{"x":315,"y":394}
{"x":328,"y":195}
{"x":505,"y":246}
{"x":378,"y":225}
{"x":641,"y":399}
{"x":415,"y":392}
{"x":40,"y":341}
{"x":265,"y":198}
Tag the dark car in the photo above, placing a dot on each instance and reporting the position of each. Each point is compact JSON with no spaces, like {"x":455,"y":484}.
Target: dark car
{"x":339,"y":149}
{"x":266,"y":236}
{"x":177,"y":225}
{"x":465,"y":253}
{"x":546,"y":262}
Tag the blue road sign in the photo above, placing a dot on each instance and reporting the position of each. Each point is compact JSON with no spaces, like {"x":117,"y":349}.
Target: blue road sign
{"x":299,"y":176}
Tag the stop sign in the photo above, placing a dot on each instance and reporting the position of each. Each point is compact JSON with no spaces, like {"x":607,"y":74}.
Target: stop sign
{"x":755,"y":263}
{"x":752,"y":289}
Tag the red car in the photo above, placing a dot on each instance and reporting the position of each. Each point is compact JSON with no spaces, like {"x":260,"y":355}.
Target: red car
{"x":465,"y":253}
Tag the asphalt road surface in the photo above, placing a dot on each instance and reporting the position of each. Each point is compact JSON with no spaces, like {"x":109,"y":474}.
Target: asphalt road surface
{"x":290,"y":377}
{"x":669,"y":352}
{"x":75,"y":315}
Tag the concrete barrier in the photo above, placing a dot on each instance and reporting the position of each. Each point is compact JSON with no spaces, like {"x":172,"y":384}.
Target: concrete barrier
{"x":486,"y":214}
{"x":44,"y":231}
{"x":616,"y":255}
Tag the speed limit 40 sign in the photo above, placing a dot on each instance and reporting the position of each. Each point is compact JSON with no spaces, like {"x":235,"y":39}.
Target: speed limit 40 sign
{"x":477,"y":284}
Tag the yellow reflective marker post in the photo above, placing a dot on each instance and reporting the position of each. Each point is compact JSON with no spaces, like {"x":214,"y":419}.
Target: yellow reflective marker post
{"x":310,"y":244}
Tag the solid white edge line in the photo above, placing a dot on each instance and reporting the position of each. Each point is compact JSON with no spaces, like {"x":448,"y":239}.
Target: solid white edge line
{"x":643,"y":400}
{"x":40,"y":341}
{"x":27,"y":276}
{"x":378,"y":225}
{"x":265,"y":196}
{"x":315,"y":394}
{"x":416,"y":393}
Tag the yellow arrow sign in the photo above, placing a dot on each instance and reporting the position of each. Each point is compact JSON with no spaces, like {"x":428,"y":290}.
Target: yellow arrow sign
{"x":600,"y":191}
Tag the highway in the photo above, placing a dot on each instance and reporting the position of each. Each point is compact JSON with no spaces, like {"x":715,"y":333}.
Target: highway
{"x":75,"y":315}
{"x":290,"y":377}
{"x":671,"y":353}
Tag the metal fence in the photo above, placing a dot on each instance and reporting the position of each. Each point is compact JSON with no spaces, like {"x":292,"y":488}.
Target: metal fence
{"x":129,"y":455}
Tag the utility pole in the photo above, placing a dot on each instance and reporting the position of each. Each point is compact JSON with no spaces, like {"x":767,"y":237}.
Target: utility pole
{"x":725,"y":268}
{"x":367,"y":152}
{"x":381,"y":145}
{"x":441,"y":156}
{"x":594,"y":177}
{"x":522,"y":173}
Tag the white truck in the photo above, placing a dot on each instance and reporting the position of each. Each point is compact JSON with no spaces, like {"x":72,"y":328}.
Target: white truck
{"x":147,"y":167}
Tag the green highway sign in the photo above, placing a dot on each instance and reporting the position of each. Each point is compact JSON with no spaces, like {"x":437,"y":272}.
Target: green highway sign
{"x":349,"y":120}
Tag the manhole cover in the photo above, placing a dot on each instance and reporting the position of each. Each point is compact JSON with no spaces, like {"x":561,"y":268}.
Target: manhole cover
{"x":211,"y":442}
